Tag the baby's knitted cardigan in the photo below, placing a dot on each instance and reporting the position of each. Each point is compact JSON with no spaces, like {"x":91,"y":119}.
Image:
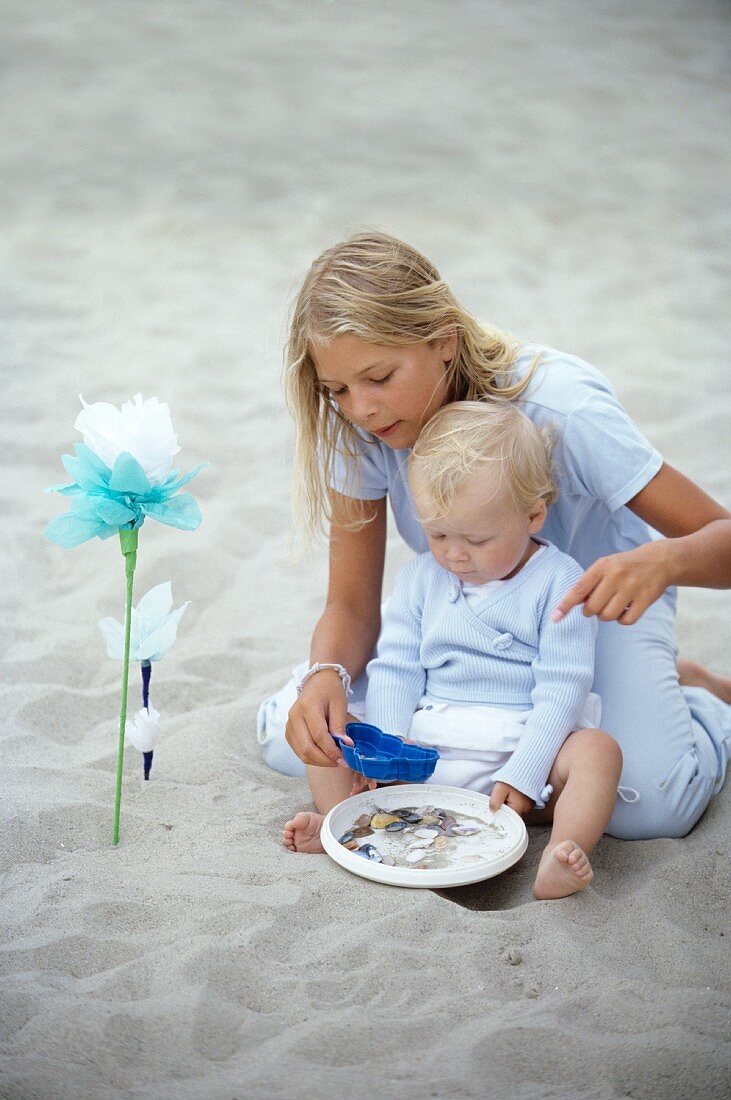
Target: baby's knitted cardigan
{"x":502,"y":652}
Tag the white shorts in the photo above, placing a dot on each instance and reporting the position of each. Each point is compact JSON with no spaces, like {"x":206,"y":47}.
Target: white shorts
{"x":474,"y":742}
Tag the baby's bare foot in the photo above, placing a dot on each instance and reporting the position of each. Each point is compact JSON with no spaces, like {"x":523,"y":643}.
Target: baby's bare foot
{"x":563,"y":870}
{"x":302,"y":833}
{"x":692,"y":674}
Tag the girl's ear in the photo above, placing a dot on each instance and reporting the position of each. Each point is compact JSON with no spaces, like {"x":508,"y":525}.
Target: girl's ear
{"x":537,"y":517}
{"x":447,"y":345}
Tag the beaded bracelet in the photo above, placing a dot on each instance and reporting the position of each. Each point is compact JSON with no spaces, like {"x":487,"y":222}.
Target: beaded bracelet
{"x":318,"y":667}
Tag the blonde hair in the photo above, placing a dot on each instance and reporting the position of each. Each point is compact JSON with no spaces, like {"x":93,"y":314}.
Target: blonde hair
{"x":381,"y":290}
{"x":468,"y":438}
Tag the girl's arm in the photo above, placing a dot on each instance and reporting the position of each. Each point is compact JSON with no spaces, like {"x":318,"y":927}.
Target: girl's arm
{"x":696,"y":551}
{"x":346,"y":634}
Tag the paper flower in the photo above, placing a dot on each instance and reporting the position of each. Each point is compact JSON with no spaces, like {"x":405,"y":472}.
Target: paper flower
{"x":122,"y":475}
{"x":154,"y":626}
{"x":142,"y":732}
{"x":114,"y":488}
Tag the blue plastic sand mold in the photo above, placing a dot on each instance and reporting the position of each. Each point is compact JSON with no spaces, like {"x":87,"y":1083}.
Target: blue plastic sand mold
{"x":379,"y":755}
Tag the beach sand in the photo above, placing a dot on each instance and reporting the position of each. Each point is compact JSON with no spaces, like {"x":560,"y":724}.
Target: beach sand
{"x":170,"y":171}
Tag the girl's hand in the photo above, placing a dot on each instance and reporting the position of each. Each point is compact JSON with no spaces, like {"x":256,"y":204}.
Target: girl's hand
{"x":621,"y":587}
{"x":504,"y":793}
{"x":320,"y":710}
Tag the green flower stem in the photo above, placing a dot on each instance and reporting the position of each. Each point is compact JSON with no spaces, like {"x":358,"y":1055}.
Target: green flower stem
{"x":128,"y":540}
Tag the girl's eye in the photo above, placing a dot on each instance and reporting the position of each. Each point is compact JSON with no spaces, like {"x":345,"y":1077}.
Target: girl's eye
{"x":337,"y":393}
{"x":380,"y":381}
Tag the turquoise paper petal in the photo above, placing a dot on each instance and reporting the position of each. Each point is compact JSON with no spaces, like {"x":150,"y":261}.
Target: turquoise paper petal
{"x":181,"y":512}
{"x":91,"y":459}
{"x":128,"y":476}
{"x":84,"y":473}
{"x":113,"y":512}
{"x":71,"y":530}
{"x":171,"y":485}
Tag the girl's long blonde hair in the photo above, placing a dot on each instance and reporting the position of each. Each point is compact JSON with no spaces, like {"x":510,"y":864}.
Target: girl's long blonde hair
{"x":381,"y":290}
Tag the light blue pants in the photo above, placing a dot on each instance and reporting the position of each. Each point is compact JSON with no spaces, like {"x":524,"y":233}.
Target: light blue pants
{"x":676,"y":741}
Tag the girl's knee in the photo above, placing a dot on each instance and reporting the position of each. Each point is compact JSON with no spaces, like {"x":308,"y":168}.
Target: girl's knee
{"x":666,"y":807}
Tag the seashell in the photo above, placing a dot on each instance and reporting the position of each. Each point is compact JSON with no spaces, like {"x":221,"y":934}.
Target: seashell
{"x":345,"y":838}
{"x":362,"y":831}
{"x":380,"y":821}
{"x":424,"y":810}
{"x":364,"y":819}
{"x":396,"y":826}
{"x":423,"y":843}
{"x":413,"y":818}
{"x":441,"y":842}
{"x":370,"y":852}
{"x":465,"y":830}
{"x":414,"y":857}
{"x":429,"y":819}
{"x":351,"y":845}
{"x":388,"y":861}
{"x":427,"y":834}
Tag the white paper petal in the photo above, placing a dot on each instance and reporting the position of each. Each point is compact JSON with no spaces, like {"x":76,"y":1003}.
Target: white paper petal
{"x":144,"y":729}
{"x":113,"y":634}
{"x":153,"y":628}
{"x":158,"y":643}
{"x":144,"y":428}
{"x":155,"y":606}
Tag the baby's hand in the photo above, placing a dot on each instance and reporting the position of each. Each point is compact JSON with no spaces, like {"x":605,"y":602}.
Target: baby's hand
{"x":362,"y":783}
{"x":504,"y":793}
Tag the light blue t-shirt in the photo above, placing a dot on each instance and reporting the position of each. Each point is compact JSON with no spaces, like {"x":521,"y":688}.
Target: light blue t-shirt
{"x":600,"y":460}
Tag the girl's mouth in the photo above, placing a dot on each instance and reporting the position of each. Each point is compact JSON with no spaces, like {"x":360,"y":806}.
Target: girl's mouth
{"x":383,"y":432}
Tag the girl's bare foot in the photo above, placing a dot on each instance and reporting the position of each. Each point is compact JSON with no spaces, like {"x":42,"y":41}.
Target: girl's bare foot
{"x":302,"y":833}
{"x":691,"y":674}
{"x":563,"y":870}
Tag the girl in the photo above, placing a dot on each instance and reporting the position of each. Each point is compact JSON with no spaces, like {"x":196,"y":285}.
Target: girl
{"x":378,"y":344}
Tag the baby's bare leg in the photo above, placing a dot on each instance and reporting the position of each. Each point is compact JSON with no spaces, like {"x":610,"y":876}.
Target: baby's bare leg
{"x":584,"y":777}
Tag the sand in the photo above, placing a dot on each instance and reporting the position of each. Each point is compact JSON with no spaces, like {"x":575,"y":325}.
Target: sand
{"x":170,"y":171}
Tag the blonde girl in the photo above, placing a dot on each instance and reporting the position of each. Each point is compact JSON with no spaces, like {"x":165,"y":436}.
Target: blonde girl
{"x":378,"y":344}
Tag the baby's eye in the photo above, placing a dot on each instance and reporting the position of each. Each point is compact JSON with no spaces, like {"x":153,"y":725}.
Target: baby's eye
{"x":480,"y":542}
{"x":436,"y":537}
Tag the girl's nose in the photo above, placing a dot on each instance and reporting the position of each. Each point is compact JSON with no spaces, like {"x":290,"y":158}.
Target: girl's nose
{"x":362,"y":407}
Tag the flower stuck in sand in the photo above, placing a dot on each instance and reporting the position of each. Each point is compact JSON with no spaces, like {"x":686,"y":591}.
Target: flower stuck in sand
{"x":154,"y":626}
{"x":122,"y":474}
{"x":144,"y":728}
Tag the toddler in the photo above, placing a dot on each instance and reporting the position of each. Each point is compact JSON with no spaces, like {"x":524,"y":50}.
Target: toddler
{"x":470,"y":660}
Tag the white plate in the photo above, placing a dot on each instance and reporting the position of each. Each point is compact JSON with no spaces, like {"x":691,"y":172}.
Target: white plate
{"x":499,"y":854}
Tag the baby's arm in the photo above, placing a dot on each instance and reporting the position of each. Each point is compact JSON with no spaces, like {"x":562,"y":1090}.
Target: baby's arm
{"x":563,"y":672}
{"x":396,"y":678}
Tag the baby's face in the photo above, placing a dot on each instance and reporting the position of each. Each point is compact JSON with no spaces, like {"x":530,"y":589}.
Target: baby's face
{"x":484,"y":537}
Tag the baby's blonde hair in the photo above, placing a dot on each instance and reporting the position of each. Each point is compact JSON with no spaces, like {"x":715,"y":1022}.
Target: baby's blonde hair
{"x":472,"y":438}
{"x":381,"y":290}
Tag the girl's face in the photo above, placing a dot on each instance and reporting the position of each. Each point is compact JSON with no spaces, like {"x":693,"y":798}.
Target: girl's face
{"x":388,"y":391}
{"x":484,"y":537}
